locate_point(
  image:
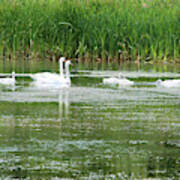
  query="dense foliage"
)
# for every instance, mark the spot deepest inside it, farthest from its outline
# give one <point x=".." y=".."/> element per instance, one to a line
<point x="105" y="29"/>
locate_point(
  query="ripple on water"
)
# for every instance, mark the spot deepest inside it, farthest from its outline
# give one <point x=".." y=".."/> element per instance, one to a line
<point x="90" y="132"/>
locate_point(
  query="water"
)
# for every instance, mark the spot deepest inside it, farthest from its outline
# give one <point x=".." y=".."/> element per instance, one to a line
<point x="90" y="131"/>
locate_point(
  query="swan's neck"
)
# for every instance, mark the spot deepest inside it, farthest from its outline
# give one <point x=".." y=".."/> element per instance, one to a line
<point x="61" y="69"/>
<point x="67" y="71"/>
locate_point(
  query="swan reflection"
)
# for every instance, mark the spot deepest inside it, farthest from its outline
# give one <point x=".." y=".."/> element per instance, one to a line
<point x="64" y="103"/>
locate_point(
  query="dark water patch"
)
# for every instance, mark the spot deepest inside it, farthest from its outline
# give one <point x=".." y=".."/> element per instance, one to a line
<point x="34" y="65"/>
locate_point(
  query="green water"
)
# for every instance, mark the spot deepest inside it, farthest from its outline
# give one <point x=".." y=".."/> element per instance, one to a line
<point x="90" y="131"/>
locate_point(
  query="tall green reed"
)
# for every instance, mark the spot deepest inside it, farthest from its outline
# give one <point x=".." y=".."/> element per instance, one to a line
<point x="100" y="29"/>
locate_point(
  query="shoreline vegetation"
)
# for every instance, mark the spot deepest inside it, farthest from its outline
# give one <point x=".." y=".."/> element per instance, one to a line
<point x="107" y="30"/>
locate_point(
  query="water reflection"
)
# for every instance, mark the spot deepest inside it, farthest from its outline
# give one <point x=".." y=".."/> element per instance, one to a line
<point x="163" y="165"/>
<point x="7" y="87"/>
<point x="33" y="66"/>
<point x="63" y="103"/>
<point x="90" y="131"/>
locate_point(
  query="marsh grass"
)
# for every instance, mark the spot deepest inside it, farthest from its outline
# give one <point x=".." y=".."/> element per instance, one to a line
<point x="101" y="29"/>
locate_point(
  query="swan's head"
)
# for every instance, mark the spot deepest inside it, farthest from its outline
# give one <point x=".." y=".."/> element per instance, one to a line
<point x="62" y="59"/>
<point x="68" y="62"/>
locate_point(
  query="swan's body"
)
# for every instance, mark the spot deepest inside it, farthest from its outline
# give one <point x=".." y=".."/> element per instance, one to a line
<point x="169" y="83"/>
<point x="48" y="79"/>
<point x="121" y="81"/>
<point x="8" y="81"/>
<point x="117" y="81"/>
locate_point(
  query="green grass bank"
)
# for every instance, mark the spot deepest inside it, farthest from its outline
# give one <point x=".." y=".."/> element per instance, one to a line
<point x="91" y="29"/>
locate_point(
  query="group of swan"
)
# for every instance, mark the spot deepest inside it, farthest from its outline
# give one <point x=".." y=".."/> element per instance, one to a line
<point x="48" y="79"/>
<point x="122" y="81"/>
<point x="53" y="79"/>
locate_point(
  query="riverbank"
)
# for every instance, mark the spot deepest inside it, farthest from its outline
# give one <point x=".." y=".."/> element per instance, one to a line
<point x="92" y="30"/>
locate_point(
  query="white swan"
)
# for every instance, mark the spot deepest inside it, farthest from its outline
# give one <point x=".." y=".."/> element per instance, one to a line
<point x="47" y="77"/>
<point x="168" y="83"/>
<point x="8" y="81"/>
<point x="48" y="80"/>
<point x="121" y="81"/>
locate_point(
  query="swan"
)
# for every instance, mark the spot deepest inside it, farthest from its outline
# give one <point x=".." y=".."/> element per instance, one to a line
<point x="8" y="81"/>
<point x="168" y="83"/>
<point x="121" y="81"/>
<point x="47" y="77"/>
<point x="48" y="80"/>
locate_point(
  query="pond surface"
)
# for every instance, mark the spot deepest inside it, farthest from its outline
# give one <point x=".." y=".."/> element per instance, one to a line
<point x="90" y="131"/>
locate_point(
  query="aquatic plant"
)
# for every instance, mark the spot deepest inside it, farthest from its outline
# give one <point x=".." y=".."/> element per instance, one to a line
<point x="101" y="29"/>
